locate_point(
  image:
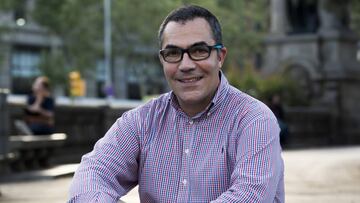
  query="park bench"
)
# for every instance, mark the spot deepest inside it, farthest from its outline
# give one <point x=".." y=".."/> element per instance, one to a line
<point x="34" y="151"/>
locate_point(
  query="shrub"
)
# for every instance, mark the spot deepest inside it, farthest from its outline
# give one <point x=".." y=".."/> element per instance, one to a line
<point x="262" y="88"/>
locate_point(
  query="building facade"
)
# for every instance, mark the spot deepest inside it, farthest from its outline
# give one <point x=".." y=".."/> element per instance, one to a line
<point x="311" y="41"/>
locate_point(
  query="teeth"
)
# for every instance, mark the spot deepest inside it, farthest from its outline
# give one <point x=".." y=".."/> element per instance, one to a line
<point x="190" y="80"/>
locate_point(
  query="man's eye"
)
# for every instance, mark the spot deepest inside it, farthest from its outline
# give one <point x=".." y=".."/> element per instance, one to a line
<point x="199" y="50"/>
<point x="172" y="52"/>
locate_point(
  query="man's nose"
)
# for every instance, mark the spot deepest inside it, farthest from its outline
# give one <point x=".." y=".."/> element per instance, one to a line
<point x="186" y="64"/>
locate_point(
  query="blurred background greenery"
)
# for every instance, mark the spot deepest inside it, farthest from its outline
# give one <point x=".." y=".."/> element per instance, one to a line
<point x="79" y="25"/>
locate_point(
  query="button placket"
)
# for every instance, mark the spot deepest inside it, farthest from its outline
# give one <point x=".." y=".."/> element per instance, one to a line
<point x="184" y="176"/>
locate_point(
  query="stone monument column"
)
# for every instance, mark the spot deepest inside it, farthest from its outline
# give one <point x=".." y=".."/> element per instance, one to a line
<point x="338" y="42"/>
<point x="279" y="22"/>
<point x="334" y="15"/>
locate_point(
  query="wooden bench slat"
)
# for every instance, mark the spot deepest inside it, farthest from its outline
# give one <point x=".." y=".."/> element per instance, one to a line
<point x="19" y="142"/>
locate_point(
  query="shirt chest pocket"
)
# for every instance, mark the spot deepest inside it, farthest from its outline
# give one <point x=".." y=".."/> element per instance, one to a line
<point x="211" y="172"/>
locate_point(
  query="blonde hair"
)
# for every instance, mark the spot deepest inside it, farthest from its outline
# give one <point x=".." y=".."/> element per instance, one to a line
<point x="45" y="82"/>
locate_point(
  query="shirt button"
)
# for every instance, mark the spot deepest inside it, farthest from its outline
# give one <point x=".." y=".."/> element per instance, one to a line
<point x="184" y="182"/>
<point x="208" y="114"/>
<point x="191" y="122"/>
<point x="187" y="151"/>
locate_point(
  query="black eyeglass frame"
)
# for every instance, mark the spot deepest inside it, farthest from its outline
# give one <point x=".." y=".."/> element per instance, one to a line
<point x="216" y="46"/>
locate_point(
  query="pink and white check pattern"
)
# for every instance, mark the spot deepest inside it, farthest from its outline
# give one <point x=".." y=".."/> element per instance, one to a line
<point x="228" y="153"/>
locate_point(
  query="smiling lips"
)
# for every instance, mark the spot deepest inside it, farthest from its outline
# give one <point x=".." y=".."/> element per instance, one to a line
<point x="190" y="80"/>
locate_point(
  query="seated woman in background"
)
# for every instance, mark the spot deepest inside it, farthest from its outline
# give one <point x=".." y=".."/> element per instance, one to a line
<point x="39" y="113"/>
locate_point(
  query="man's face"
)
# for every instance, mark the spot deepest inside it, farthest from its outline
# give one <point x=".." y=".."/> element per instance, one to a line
<point x="193" y="82"/>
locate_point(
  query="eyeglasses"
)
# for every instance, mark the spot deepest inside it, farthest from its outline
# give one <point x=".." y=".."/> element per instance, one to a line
<point x="196" y="52"/>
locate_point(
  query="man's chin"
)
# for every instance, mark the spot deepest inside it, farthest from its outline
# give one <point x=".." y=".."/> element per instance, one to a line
<point x="191" y="99"/>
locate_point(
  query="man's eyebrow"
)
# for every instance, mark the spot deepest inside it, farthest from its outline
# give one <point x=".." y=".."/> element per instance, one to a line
<point x="195" y="44"/>
<point x="199" y="43"/>
<point x="171" y="46"/>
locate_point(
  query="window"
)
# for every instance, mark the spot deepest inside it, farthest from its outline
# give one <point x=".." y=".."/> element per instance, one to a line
<point x="24" y="67"/>
<point x="25" y="63"/>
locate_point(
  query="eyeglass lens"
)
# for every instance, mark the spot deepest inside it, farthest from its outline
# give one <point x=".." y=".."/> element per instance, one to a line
<point x="196" y="52"/>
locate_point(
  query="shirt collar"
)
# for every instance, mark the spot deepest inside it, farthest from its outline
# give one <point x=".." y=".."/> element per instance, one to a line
<point x="220" y="94"/>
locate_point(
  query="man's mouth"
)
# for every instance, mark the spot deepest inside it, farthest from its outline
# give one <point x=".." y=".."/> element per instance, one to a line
<point x="190" y="80"/>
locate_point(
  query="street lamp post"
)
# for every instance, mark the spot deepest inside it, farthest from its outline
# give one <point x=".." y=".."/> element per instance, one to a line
<point x="107" y="49"/>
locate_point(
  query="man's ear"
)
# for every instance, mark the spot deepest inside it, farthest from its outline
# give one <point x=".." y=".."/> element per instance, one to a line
<point x="221" y="56"/>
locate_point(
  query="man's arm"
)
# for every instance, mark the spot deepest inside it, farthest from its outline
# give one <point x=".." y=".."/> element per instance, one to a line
<point x="259" y="167"/>
<point x="110" y="170"/>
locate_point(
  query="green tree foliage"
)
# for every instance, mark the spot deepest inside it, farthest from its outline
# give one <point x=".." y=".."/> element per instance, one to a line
<point x="135" y="24"/>
<point x="251" y="82"/>
<point x="79" y="24"/>
<point x="245" y="24"/>
<point x="9" y="4"/>
<point x="52" y="65"/>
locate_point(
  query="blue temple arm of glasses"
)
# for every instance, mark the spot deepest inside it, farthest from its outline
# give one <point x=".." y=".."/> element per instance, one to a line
<point x="218" y="46"/>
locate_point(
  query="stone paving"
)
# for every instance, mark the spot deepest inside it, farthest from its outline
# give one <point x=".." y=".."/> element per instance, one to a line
<point x="316" y="175"/>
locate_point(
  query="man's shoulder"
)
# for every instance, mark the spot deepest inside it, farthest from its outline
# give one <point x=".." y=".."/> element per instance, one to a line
<point x="247" y="104"/>
<point x="154" y="104"/>
<point x="147" y="114"/>
<point x="240" y="99"/>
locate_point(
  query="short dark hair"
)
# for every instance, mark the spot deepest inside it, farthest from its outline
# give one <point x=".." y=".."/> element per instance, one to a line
<point x="190" y="12"/>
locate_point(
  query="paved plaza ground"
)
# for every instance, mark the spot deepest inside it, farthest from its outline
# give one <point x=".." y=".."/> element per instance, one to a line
<point x="316" y="175"/>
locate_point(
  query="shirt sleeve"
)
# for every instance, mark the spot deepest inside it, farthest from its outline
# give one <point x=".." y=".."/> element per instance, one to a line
<point x="258" y="173"/>
<point x="110" y="170"/>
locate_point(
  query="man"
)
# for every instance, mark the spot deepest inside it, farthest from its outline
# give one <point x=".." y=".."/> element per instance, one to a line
<point x="204" y="141"/>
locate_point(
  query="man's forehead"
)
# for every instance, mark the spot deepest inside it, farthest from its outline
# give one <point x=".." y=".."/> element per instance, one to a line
<point x="199" y="23"/>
